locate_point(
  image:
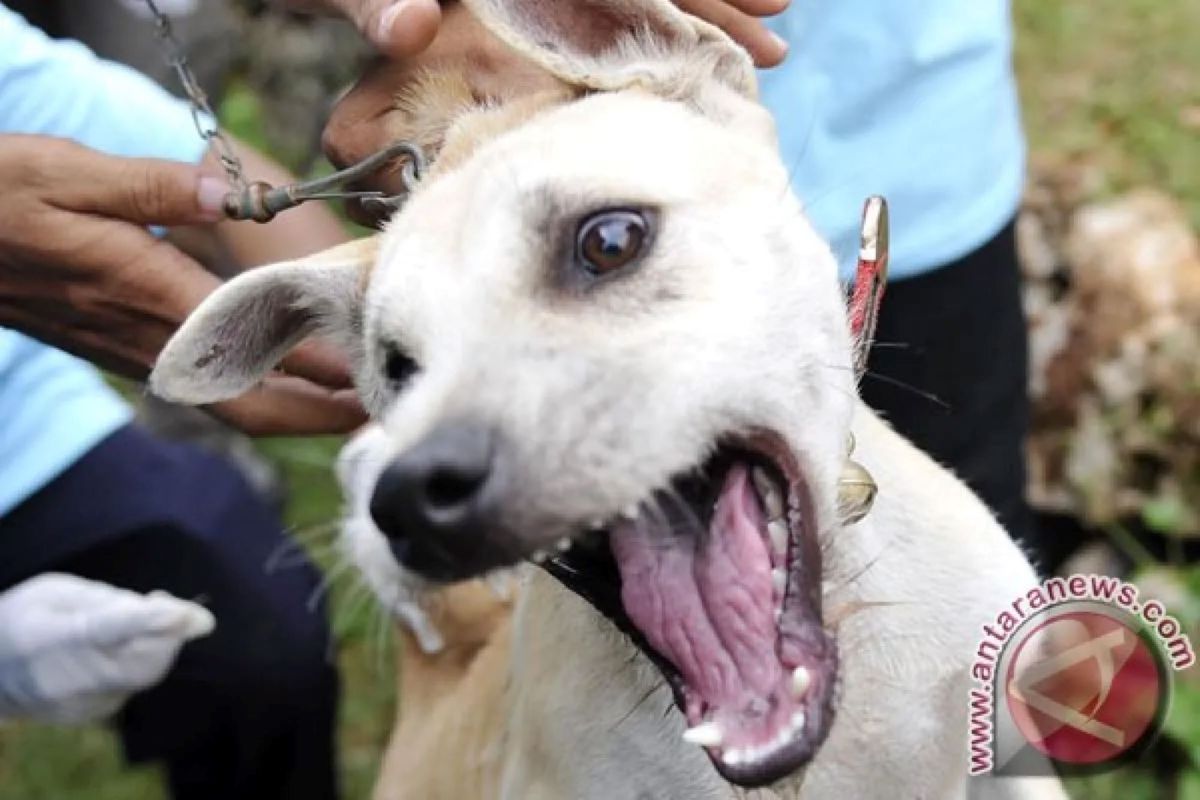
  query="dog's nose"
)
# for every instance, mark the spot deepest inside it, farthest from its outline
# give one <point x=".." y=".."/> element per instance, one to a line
<point x="436" y="503"/>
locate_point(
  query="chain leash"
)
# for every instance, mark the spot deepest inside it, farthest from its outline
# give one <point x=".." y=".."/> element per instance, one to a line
<point x="259" y="201"/>
<point x="209" y="132"/>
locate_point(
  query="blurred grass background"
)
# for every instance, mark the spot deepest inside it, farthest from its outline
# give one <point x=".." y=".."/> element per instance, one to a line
<point x="1114" y="81"/>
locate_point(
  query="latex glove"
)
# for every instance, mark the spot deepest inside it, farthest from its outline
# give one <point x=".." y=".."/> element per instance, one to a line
<point x="74" y="650"/>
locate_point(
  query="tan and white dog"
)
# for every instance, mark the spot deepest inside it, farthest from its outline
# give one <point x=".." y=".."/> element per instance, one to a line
<point x="602" y="336"/>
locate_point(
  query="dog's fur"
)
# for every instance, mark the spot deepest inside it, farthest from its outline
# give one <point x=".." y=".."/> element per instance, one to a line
<point x="734" y="320"/>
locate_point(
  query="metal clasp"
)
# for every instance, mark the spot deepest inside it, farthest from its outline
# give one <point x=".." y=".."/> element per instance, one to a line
<point x="261" y="202"/>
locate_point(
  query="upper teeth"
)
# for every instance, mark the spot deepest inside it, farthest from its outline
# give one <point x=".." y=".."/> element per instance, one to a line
<point x="777" y="530"/>
<point x="630" y="511"/>
<point x="772" y="502"/>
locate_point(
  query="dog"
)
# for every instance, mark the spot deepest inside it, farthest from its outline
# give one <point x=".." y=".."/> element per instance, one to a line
<point x="602" y="337"/>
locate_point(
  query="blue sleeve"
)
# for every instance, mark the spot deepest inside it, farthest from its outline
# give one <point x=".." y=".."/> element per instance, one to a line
<point x="61" y="88"/>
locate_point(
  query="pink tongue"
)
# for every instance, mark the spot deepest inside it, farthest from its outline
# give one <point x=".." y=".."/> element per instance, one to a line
<point x="704" y="601"/>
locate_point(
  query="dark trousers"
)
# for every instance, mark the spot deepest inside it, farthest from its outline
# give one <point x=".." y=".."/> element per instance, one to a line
<point x="247" y="712"/>
<point x="958" y="334"/>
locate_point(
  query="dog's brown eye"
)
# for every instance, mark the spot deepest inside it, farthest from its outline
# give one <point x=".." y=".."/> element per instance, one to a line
<point x="609" y="240"/>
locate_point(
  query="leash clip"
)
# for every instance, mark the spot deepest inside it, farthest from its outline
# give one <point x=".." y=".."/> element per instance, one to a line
<point x="261" y="202"/>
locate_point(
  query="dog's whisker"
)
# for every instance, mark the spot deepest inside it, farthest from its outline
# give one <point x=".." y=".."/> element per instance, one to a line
<point x="315" y="530"/>
<point x="802" y="151"/>
<point x="862" y="570"/>
<point x="358" y="599"/>
<point x="931" y="397"/>
<point x="649" y="693"/>
<point x="381" y="639"/>
<point x="296" y="555"/>
<point x="285" y="548"/>
<point x="331" y="576"/>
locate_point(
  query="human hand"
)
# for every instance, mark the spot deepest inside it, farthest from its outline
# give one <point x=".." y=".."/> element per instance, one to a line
<point x="74" y="650"/>
<point x="79" y="270"/>
<point x="367" y="118"/>
<point x="404" y="28"/>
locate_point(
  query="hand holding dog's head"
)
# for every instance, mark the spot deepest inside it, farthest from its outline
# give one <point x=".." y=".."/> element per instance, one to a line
<point x="483" y="302"/>
<point x="600" y="292"/>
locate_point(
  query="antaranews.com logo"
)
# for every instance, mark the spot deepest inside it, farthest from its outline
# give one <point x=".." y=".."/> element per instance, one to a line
<point x="1074" y="676"/>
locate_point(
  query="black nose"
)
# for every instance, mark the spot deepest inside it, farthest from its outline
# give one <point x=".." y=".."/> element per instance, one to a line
<point x="437" y="504"/>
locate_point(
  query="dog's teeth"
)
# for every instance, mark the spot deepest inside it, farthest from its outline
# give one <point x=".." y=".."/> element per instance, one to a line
<point x="706" y="734"/>
<point x="797" y="721"/>
<point x="772" y="502"/>
<point x="779" y="580"/>
<point x="777" y="530"/>
<point x="563" y="544"/>
<point x="801" y="680"/>
<point x="539" y="556"/>
<point x="597" y="524"/>
<point x="630" y="512"/>
<point x="734" y="757"/>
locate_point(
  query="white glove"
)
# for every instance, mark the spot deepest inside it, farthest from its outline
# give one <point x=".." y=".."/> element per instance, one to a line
<point x="74" y="650"/>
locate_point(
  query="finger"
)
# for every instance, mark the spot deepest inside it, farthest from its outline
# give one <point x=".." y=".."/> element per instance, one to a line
<point x="397" y="28"/>
<point x="760" y="8"/>
<point x="112" y="620"/>
<point x="140" y="291"/>
<point x="321" y="363"/>
<point x="66" y="593"/>
<point x="167" y="615"/>
<point x="765" y="47"/>
<point x="288" y="406"/>
<point x="145" y="191"/>
<point x="359" y="125"/>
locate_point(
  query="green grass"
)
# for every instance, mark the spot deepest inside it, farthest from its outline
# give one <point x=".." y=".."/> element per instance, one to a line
<point x="1114" y="81"/>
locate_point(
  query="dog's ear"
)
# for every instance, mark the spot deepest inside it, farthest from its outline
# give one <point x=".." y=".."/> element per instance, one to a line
<point x="608" y="45"/>
<point x="241" y="331"/>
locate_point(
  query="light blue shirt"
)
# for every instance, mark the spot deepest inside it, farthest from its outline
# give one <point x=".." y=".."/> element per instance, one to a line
<point x="912" y="99"/>
<point x="53" y="407"/>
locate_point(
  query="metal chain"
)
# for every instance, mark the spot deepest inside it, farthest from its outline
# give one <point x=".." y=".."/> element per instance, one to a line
<point x="260" y="201"/>
<point x="209" y="132"/>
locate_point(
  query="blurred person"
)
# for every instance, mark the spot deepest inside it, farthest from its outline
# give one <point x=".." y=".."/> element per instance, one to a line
<point x="249" y="710"/>
<point x="125" y="31"/>
<point x="919" y="103"/>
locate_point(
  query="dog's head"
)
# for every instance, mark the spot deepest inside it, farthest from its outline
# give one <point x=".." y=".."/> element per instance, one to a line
<point x="603" y="337"/>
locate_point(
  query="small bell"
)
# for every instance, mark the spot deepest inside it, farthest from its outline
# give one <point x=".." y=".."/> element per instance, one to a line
<point x="856" y="493"/>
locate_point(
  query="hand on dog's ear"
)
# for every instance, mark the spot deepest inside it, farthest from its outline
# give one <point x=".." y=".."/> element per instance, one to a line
<point x="245" y="328"/>
<point x="610" y="45"/>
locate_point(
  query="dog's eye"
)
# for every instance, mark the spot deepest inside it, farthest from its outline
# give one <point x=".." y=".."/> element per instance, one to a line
<point x="398" y="366"/>
<point x="609" y="240"/>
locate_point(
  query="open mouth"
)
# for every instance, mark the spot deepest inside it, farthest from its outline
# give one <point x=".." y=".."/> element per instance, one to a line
<point x="717" y="579"/>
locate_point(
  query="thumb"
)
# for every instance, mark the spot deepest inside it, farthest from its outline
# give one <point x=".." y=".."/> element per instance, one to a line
<point x="397" y="28"/>
<point x="145" y="191"/>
